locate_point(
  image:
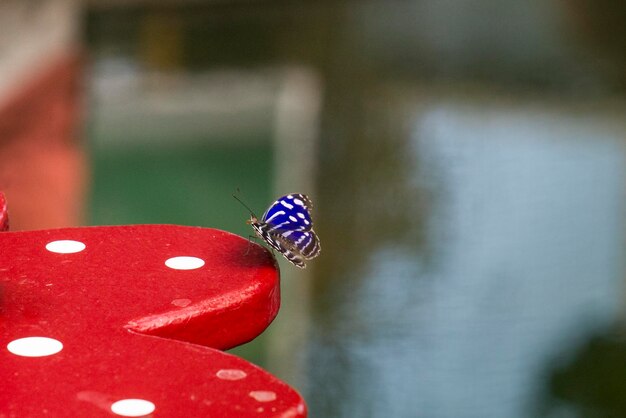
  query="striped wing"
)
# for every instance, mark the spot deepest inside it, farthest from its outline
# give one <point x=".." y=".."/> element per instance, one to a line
<point x="278" y="243"/>
<point x="304" y="243"/>
<point x="289" y="213"/>
<point x="296" y="248"/>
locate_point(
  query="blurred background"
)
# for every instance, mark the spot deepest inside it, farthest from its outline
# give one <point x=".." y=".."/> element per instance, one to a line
<point x="466" y="159"/>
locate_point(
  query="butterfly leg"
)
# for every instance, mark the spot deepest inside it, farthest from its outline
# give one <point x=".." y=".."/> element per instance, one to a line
<point x="250" y="238"/>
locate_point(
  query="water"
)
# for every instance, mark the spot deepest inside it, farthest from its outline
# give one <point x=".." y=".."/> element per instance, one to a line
<point x="512" y="262"/>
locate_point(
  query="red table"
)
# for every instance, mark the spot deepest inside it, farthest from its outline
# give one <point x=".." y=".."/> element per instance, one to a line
<point x="131" y="321"/>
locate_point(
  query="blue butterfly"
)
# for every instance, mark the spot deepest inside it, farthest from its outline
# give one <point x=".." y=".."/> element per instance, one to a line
<point x="288" y="228"/>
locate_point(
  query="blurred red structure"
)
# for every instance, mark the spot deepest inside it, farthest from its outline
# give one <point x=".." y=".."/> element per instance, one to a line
<point x="43" y="169"/>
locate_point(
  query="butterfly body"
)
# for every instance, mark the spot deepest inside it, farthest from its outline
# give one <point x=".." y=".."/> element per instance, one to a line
<point x="287" y="227"/>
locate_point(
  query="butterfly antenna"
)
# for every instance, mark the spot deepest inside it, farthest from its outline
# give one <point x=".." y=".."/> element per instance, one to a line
<point x="244" y="205"/>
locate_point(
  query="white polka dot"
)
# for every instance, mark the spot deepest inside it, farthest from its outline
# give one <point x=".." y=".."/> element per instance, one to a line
<point x="263" y="395"/>
<point x="292" y="218"/>
<point x="231" y="374"/>
<point x="184" y="263"/>
<point x="132" y="407"/>
<point x="298" y="202"/>
<point x="65" y="246"/>
<point x="306" y="222"/>
<point x="300" y="215"/>
<point x="35" y="346"/>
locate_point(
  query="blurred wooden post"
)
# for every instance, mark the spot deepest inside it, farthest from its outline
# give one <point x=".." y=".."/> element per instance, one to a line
<point x="296" y="138"/>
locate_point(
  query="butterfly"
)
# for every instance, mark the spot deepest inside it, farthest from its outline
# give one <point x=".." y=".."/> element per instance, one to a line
<point x="287" y="227"/>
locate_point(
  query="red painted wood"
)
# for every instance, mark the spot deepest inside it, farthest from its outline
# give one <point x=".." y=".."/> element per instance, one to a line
<point x="131" y="327"/>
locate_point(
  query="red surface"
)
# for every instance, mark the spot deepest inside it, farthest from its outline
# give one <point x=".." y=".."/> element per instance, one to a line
<point x="101" y="302"/>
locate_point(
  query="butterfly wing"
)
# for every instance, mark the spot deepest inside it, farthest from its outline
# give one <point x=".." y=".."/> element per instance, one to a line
<point x="280" y="244"/>
<point x="287" y="227"/>
<point x="303" y="243"/>
<point x="289" y="213"/>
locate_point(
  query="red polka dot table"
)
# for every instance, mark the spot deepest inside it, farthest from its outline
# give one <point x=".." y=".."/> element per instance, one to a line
<point x="132" y="320"/>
